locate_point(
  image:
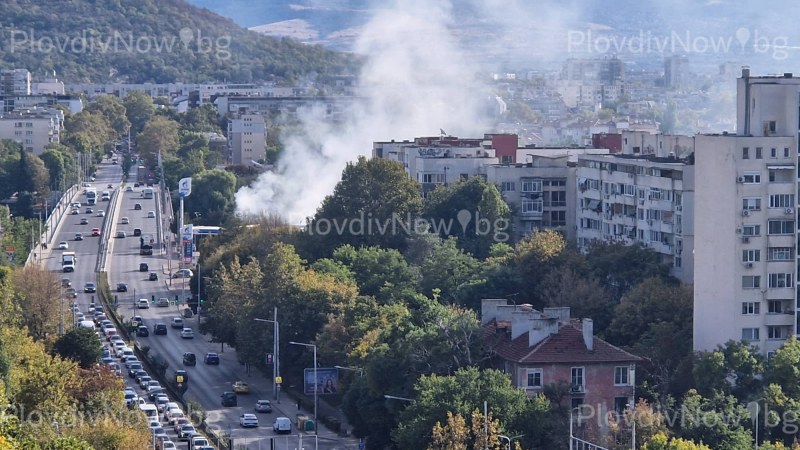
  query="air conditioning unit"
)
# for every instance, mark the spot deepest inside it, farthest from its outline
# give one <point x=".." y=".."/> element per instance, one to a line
<point x="789" y="211"/>
<point x="740" y="179"/>
<point x="576" y="388"/>
<point x="738" y="230"/>
<point x="679" y="208"/>
<point x="746" y="212"/>
<point x="641" y="202"/>
<point x="749" y="265"/>
<point x="746" y="240"/>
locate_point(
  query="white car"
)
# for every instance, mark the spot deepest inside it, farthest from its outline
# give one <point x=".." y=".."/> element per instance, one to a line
<point x="183" y="273"/>
<point x="129" y="189"/>
<point x="143" y="303"/>
<point x="151" y="214"/>
<point x="125" y="221"/>
<point x="121" y="234"/>
<point x="187" y="333"/>
<point x="63" y="245"/>
<point x="101" y="213"/>
<point x="248" y="420"/>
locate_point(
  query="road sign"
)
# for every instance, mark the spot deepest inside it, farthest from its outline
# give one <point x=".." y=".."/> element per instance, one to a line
<point x="10" y="248"/>
<point x="185" y="187"/>
<point x="278" y="380"/>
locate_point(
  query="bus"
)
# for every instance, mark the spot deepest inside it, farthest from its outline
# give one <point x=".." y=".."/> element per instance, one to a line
<point x="91" y="196"/>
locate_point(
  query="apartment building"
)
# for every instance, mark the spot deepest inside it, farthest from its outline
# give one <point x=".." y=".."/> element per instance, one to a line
<point x="332" y="108"/>
<point x="638" y="199"/>
<point x="15" y="82"/>
<point x="541" y="193"/>
<point x="436" y="161"/>
<point x="547" y="348"/>
<point x="247" y="139"/>
<point x="746" y="220"/>
<point x="23" y="102"/>
<point x="34" y="129"/>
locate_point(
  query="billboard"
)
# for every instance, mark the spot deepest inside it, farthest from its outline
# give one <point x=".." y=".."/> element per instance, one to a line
<point x="327" y="381"/>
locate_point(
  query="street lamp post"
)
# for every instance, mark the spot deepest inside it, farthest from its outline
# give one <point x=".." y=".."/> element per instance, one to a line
<point x="509" y="439"/>
<point x="392" y="397"/>
<point x="315" y="379"/>
<point x="276" y="387"/>
<point x="354" y="369"/>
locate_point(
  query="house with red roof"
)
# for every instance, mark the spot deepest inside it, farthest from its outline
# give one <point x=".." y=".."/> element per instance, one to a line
<point x="548" y="347"/>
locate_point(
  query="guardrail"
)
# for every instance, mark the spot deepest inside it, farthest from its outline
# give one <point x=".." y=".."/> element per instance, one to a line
<point x="52" y="221"/>
<point x="105" y="235"/>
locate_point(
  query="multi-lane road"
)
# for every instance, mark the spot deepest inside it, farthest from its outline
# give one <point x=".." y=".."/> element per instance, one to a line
<point x="122" y="263"/>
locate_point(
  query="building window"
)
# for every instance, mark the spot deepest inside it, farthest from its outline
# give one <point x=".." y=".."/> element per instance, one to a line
<point x="505" y="159"/>
<point x="751" y="308"/>
<point x="751" y="230"/>
<point x="751" y="255"/>
<point x="780" y="280"/>
<point x="786" y="152"/>
<point x="621" y="376"/>
<point x="533" y="378"/>
<point x="558" y="218"/>
<point x="433" y="178"/>
<point x="531" y="206"/>
<point x="558" y="198"/>
<point x="577" y="379"/>
<point x="776" y="332"/>
<point x="751" y="282"/>
<point x="752" y="178"/>
<point x="780" y="254"/>
<point x="508" y="186"/>
<point x="781" y="201"/>
<point x="780" y="226"/>
<point x="746" y="153"/>
<point x="775" y="306"/>
<point x="750" y="334"/>
<point x="531" y="185"/>
<point x="620" y="404"/>
<point x="751" y="203"/>
<point x="758" y="152"/>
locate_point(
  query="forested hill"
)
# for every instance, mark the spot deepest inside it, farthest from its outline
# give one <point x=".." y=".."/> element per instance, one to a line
<point x="156" y="41"/>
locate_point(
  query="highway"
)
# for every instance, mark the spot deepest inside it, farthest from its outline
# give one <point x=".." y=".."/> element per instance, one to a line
<point x="206" y="383"/>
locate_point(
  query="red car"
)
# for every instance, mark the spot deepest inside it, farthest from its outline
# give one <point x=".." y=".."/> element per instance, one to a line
<point x="95" y="231"/>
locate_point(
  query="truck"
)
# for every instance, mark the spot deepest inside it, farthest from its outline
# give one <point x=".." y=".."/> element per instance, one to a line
<point x="68" y="260"/>
<point x="91" y="196"/>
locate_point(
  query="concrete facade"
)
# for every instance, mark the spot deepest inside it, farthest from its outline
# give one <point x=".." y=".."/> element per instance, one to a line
<point x="746" y="223"/>
<point x="34" y="129"/>
<point x="247" y="139"/>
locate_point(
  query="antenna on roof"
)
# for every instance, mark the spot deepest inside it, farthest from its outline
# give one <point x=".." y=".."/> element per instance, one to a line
<point x="513" y="297"/>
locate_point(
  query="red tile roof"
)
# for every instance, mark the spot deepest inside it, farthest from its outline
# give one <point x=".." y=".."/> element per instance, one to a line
<point x="565" y="347"/>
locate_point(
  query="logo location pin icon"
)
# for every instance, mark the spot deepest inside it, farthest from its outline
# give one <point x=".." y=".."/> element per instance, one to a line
<point x="464" y="218"/>
<point x="742" y="35"/>
<point x="186" y="35"/>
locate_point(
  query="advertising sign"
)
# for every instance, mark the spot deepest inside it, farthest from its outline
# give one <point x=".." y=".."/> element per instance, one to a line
<point x="327" y="381"/>
<point x="185" y="187"/>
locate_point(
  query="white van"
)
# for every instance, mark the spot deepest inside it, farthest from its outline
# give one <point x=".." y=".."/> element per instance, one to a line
<point x="86" y="324"/>
<point x="149" y="410"/>
<point x="282" y="425"/>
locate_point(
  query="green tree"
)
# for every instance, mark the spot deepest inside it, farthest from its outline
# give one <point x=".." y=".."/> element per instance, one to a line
<point x="783" y="368"/>
<point x="446" y="268"/>
<point x="734" y="368"/>
<point x="159" y="135"/>
<point x="87" y="132"/>
<point x="139" y="109"/>
<point x="378" y="272"/>
<point x="204" y="118"/>
<point x="718" y="421"/>
<point x="619" y="267"/>
<point x="375" y="190"/>
<point x="462" y="393"/>
<point x="81" y="345"/>
<point x="476" y="212"/>
<point x="37" y="294"/>
<point x="212" y="196"/>
<point x="113" y="109"/>
<point x="661" y="442"/>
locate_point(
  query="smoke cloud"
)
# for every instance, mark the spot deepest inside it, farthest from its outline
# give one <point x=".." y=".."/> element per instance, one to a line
<point x="416" y="81"/>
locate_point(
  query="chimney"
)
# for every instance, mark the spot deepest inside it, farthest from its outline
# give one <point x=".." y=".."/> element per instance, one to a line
<point x="745" y="72"/>
<point x="587" y="326"/>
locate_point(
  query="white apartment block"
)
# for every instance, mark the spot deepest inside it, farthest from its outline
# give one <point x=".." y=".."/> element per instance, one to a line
<point x="746" y="220"/>
<point x="34" y="129"/>
<point x="247" y="139"/>
<point x="15" y="82"/>
<point x="541" y="193"/>
<point x="636" y="142"/>
<point x="433" y="162"/>
<point x="644" y="200"/>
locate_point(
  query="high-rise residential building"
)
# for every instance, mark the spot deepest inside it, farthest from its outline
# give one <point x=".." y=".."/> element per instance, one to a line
<point x="15" y="82"/>
<point x="247" y="139"/>
<point x="34" y="128"/>
<point x="676" y="71"/>
<point x="746" y="220"/>
<point x="634" y="199"/>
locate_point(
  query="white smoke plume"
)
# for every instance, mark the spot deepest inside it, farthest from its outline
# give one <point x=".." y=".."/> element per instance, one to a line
<point x="416" y="81"/>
